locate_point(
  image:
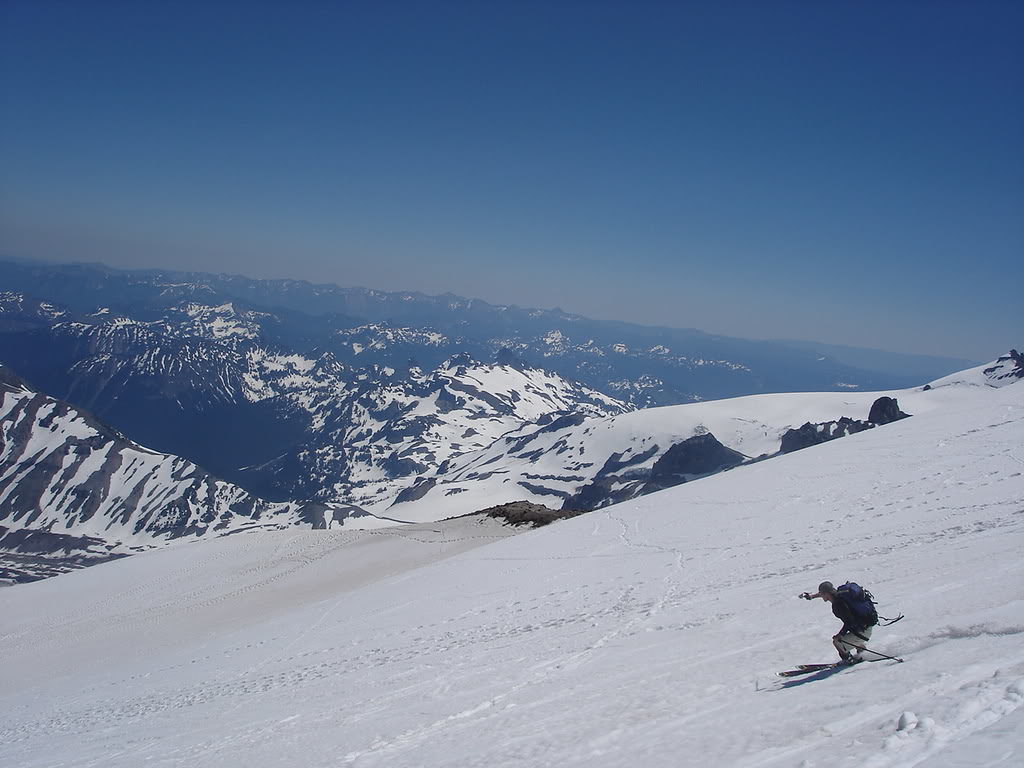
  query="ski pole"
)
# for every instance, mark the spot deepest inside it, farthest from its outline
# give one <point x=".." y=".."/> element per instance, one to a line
<point x="868" y="650"/>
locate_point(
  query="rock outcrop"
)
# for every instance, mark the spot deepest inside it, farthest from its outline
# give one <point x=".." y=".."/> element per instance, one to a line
<point x="695" y="457"/>
<point x="814" y="434"/>
<point x="621" y="479"/>
<point x="526" y="513"/>
<point x="1007" y="368"/>
<point x="600" y="493"/>
<point x="884" y="410"/>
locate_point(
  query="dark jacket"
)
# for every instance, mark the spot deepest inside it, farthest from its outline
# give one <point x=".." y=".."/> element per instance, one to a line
<point x="843" y="612"/>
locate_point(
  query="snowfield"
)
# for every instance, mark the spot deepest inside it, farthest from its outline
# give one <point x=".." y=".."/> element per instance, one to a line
<point x="646" y="633"/>
<point x="548" y="466"/>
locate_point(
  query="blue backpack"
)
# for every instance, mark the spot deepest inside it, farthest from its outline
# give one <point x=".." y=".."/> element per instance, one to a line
<point x="861" y="603"/>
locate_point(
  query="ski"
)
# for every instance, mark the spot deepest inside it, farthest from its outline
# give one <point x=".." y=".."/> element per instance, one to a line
<point x="806" y="669"/>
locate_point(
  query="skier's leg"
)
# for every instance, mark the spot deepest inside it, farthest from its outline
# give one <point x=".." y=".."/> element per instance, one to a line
<point x="844" y="650"/>
<point x="862" y="642"/>
<point x="849" y="644"/>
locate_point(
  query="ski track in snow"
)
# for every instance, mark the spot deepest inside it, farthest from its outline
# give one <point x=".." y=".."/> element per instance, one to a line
<point x="646" y="633"/>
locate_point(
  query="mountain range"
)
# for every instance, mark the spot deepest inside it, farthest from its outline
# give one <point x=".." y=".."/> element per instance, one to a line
<point x="160" y="406"/>
<point x="294" y="390"/>
<point x="75" y="492"/>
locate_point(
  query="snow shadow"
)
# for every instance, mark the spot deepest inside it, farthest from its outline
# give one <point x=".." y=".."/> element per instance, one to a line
<point x="813" y="677"/>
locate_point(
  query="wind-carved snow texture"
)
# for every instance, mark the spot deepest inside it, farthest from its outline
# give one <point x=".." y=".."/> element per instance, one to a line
<point x="644" y="633"/>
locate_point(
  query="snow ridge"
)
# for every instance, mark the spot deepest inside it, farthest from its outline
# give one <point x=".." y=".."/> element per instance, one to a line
<point x="577" y="464"/>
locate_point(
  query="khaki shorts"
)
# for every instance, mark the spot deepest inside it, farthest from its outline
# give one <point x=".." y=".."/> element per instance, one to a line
<point x="849" y="643"/>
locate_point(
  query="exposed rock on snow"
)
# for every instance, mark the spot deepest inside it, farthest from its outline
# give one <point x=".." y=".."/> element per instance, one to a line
<point x="886" y="410"/>
<point x="525" y="513"/>
<point x="415" y="492"/>
<point x="694" y="457"/>
<point x="816" y="434"/>
<point x="588" y="463"/>
<point x="1007" y="368"/>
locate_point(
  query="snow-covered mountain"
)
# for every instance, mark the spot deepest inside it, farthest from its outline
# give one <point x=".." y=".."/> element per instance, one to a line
<point x="575" y="463"/>
<point x="390" y="431"/>
<point x="219" y="385"/>
<point x="644" y="633"/>
<point x="292" y="390"/>
<point x="365" y="328"/>
<point x="225" y="387"/>
<point x="74" y="491"/>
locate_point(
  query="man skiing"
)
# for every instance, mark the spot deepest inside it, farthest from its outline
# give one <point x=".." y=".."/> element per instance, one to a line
<point x="854" y="607"/>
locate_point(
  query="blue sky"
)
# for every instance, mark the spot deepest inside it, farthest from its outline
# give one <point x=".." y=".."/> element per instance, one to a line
<point x="847" y="172"/>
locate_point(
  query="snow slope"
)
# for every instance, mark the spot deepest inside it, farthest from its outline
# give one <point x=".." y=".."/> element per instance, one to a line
<point x="548" y="465"/>
<point x="646" y="633"/>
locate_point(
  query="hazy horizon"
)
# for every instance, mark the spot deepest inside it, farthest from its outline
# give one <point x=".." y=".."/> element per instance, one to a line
<point x="528" y="307"/>
<point x="848" y="174"/>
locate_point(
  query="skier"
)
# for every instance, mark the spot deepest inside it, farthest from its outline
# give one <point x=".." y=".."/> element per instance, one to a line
<point x="857" y="614"/>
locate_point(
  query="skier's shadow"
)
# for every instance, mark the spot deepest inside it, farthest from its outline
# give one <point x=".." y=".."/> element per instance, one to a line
<point x="814" y="676"/>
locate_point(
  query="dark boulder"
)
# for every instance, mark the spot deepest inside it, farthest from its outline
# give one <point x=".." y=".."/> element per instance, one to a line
<point x="886" y="410"/>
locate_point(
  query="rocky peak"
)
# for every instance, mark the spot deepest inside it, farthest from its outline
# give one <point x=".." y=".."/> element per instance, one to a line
<point x="1007" y="369"/>
<point x="694" y="457"/>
